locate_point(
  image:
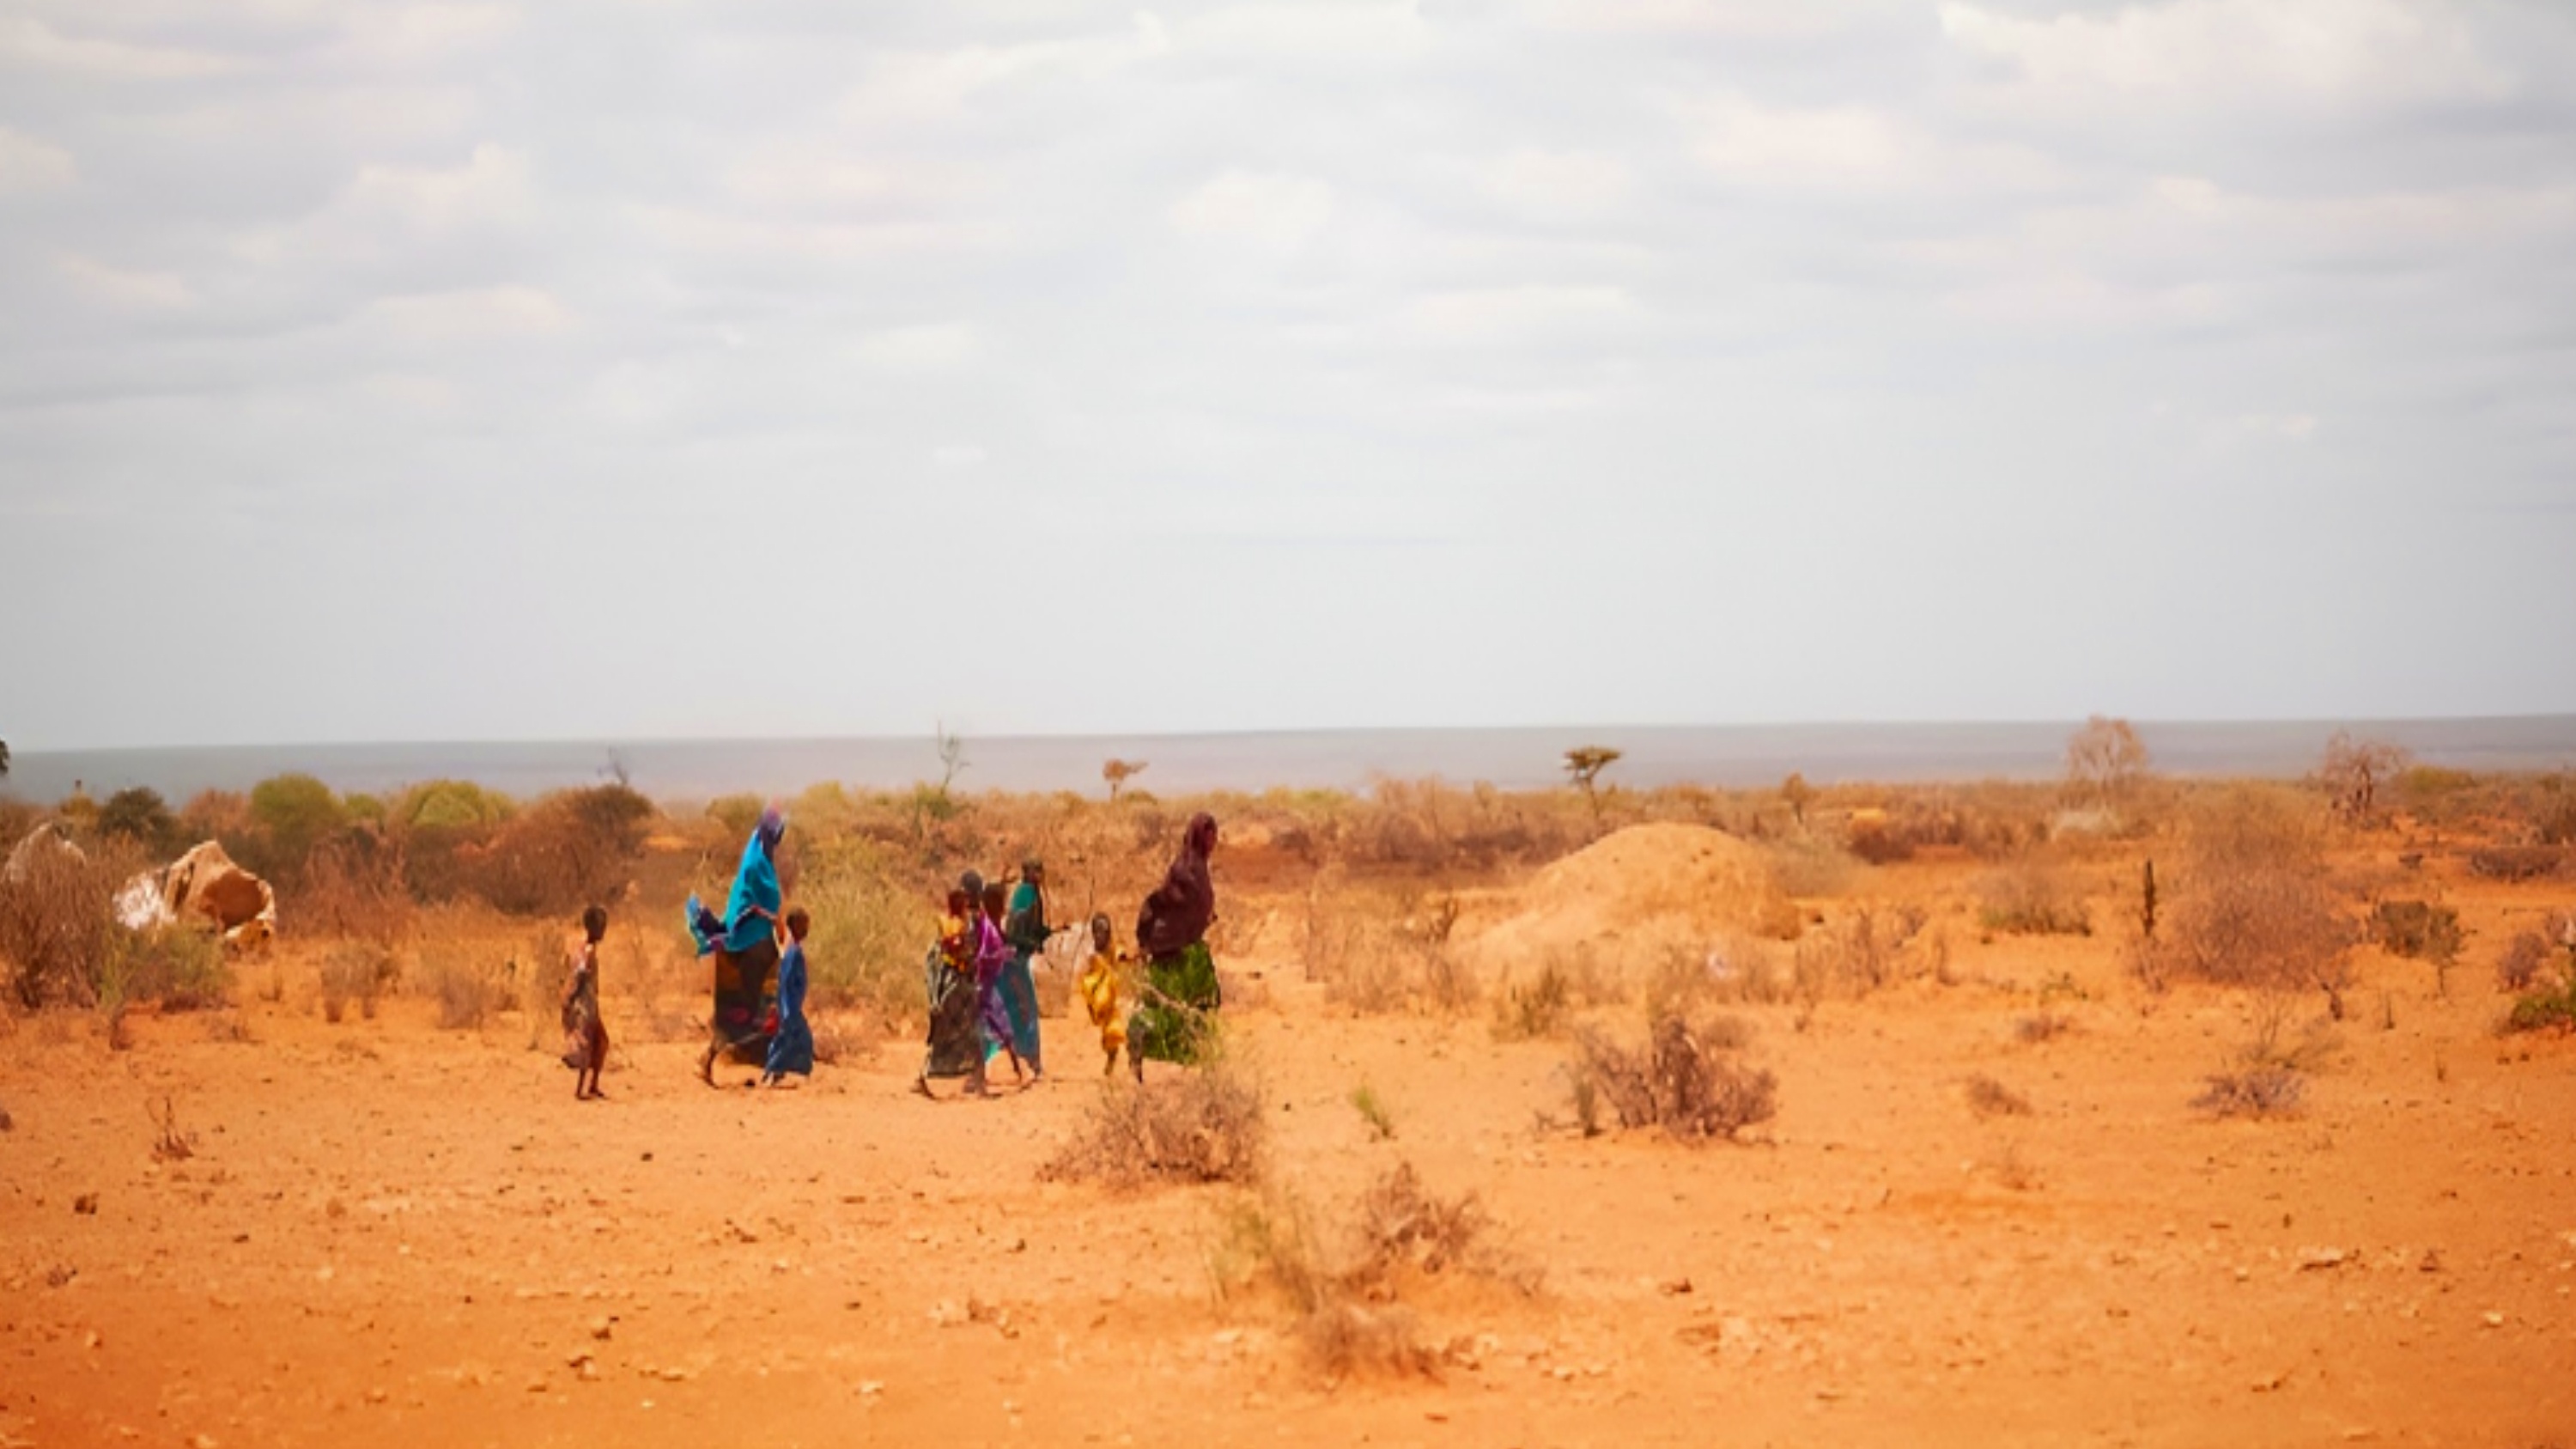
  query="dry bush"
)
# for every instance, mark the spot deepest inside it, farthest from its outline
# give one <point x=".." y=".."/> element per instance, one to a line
<point x="1682" y="1080"/>
<point x="355" y="888"/>
<point x="2517" y="862"/>
<point x="1201" y="1126"/>
<point x="569" y="850"/>
<point x="1540" y="1009"/>
<point x="56" y="931"/>
<point x="1347" y="1296"/>
<point x="2267" y="1091"/>
<point x="1812" y="869"/>
<point x="1990" y="1098"/>
<point x="179" y="966"/>
<point x="2522" y="962"/>
<point x="2417" y="930"/>
<point x="2032" y="898"/>
<point x="1854" y="955"/>
<point x="169" y="1142"/>
<point x="355" y="972"/>
<point x="2045" y="1026"/>
<point x="1386" y="956"/>
<point x="2548" y="992"/>
<point x="2253" y="906"/>
<point x="868" y="933"/>
<point x="465" y="992"/>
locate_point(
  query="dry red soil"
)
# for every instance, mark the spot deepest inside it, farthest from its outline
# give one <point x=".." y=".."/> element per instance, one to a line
<point x="388" y="1233"/>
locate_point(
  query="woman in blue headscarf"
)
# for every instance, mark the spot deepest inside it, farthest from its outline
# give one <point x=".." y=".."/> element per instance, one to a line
<point x="744" y="941"/>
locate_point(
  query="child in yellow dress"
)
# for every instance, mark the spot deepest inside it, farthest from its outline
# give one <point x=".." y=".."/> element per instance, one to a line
<point x="1099" y="987"/>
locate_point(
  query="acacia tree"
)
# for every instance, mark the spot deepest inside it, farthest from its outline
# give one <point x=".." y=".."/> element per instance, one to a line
<point x="2105" y="760"/>
<point x="2353" y="771"/>
<point x="1118" y="773"/>
<point x="4" y="759"/>
<point x="1584" y="765"/>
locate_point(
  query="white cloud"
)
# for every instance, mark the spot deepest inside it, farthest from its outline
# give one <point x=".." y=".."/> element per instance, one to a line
<point x="1515" y="314"/>
<point x="389" y="210"/>
<point x="957" y="455"/>
<point x="1342" y="31"/>
<point x="470" y="313"/>
<point x="1558" y="183"/>
<point x="2262" y="50"/>
<point x="1829" y="148"/>
<point x="932" y="348"/>
<point x="1274" y="212"/>
<point x="28" y="164"/>
<point x="32" y="43"/>
<point x="2291" y="427"/>
<point x="125" y="290"/>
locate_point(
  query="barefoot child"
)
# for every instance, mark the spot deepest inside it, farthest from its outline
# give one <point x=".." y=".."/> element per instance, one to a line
<point x="585" y="1035"/>
<point x="791" y="1047"/>
<point x="1099" y="988"/>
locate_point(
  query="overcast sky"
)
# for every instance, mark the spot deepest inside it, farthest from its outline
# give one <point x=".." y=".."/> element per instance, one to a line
<point x="385" y="371"/>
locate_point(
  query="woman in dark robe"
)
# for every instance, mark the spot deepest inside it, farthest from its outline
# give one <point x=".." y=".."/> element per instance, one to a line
<point x="956" y="1045"/>
<point x="1180" y="993"/>
<point x="744" y="942"/>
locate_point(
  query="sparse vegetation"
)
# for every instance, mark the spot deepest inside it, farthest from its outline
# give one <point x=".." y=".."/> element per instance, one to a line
<point x="2254" y="908"/>
<point x="1990" y="1098"/>
<point x="2353" y="773"/>
<point x="1364" y="1100"/>
<point x="2041" y="1027"/>
<point x="2032" y="898"/>
<point x="1683" y="1080"/>
<point x="2105" y="763"/>
<point x="2267" y="1091"/>
<point x="2417" y="930"/>
<point x="1346" y="1295"/>
<point x="1204" y="1125"/>
<point x="354" y="972"/>
<point x="1584" y="765"/>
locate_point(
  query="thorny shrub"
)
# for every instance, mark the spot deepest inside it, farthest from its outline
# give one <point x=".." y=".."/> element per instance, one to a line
<point x="2032" y="898"/>
<point x="2417" y="930"/>
<point x="2253" y="906"/>
<point x="1204" y="1125"/>
<point x="1347" y="1295"/>
<point x="1683" y="1080"/>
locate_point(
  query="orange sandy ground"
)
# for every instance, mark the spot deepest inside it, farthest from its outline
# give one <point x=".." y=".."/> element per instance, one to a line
<point x="392" y="1234"/>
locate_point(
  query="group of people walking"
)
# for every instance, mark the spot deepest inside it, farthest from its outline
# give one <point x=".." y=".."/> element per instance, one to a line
<point x="980" y="976"/>
<point x="982" y="985"/>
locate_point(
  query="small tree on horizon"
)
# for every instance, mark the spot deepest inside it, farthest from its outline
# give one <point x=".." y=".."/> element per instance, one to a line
<point x="1119" y="772"/>
<point x="4" y="759"/>
<point x="952" y="757"/>
<point x="1584" y="764"/>
<point x="2105" y="761"/>
<point x="1798" y="795"/>
<point x="2353" y="771"/>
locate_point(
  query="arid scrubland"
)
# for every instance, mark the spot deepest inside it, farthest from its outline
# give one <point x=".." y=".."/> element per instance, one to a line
<point x="1535" y="1112"/>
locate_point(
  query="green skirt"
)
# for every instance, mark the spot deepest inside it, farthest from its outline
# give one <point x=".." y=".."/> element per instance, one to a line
<point x="1171" y="1023"/>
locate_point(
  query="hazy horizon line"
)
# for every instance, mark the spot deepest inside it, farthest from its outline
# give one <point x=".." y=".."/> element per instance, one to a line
<point x="613" y="741"/>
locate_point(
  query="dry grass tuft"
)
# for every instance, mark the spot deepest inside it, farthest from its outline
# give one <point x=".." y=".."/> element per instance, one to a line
<point x="1990" y="1098"/>
<point x="1347" y="1298"/>
<point x="1202" y="1126"/>
<point x="465" y="993"/>
<point x="355" y="972"/>
<point x="2046" y="1026"/>
<point x="2264" y="1091"/>
<point x="169" y="1144"/>
<point x="1683" y="1080"/>
<point x="2032" y="898"/>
